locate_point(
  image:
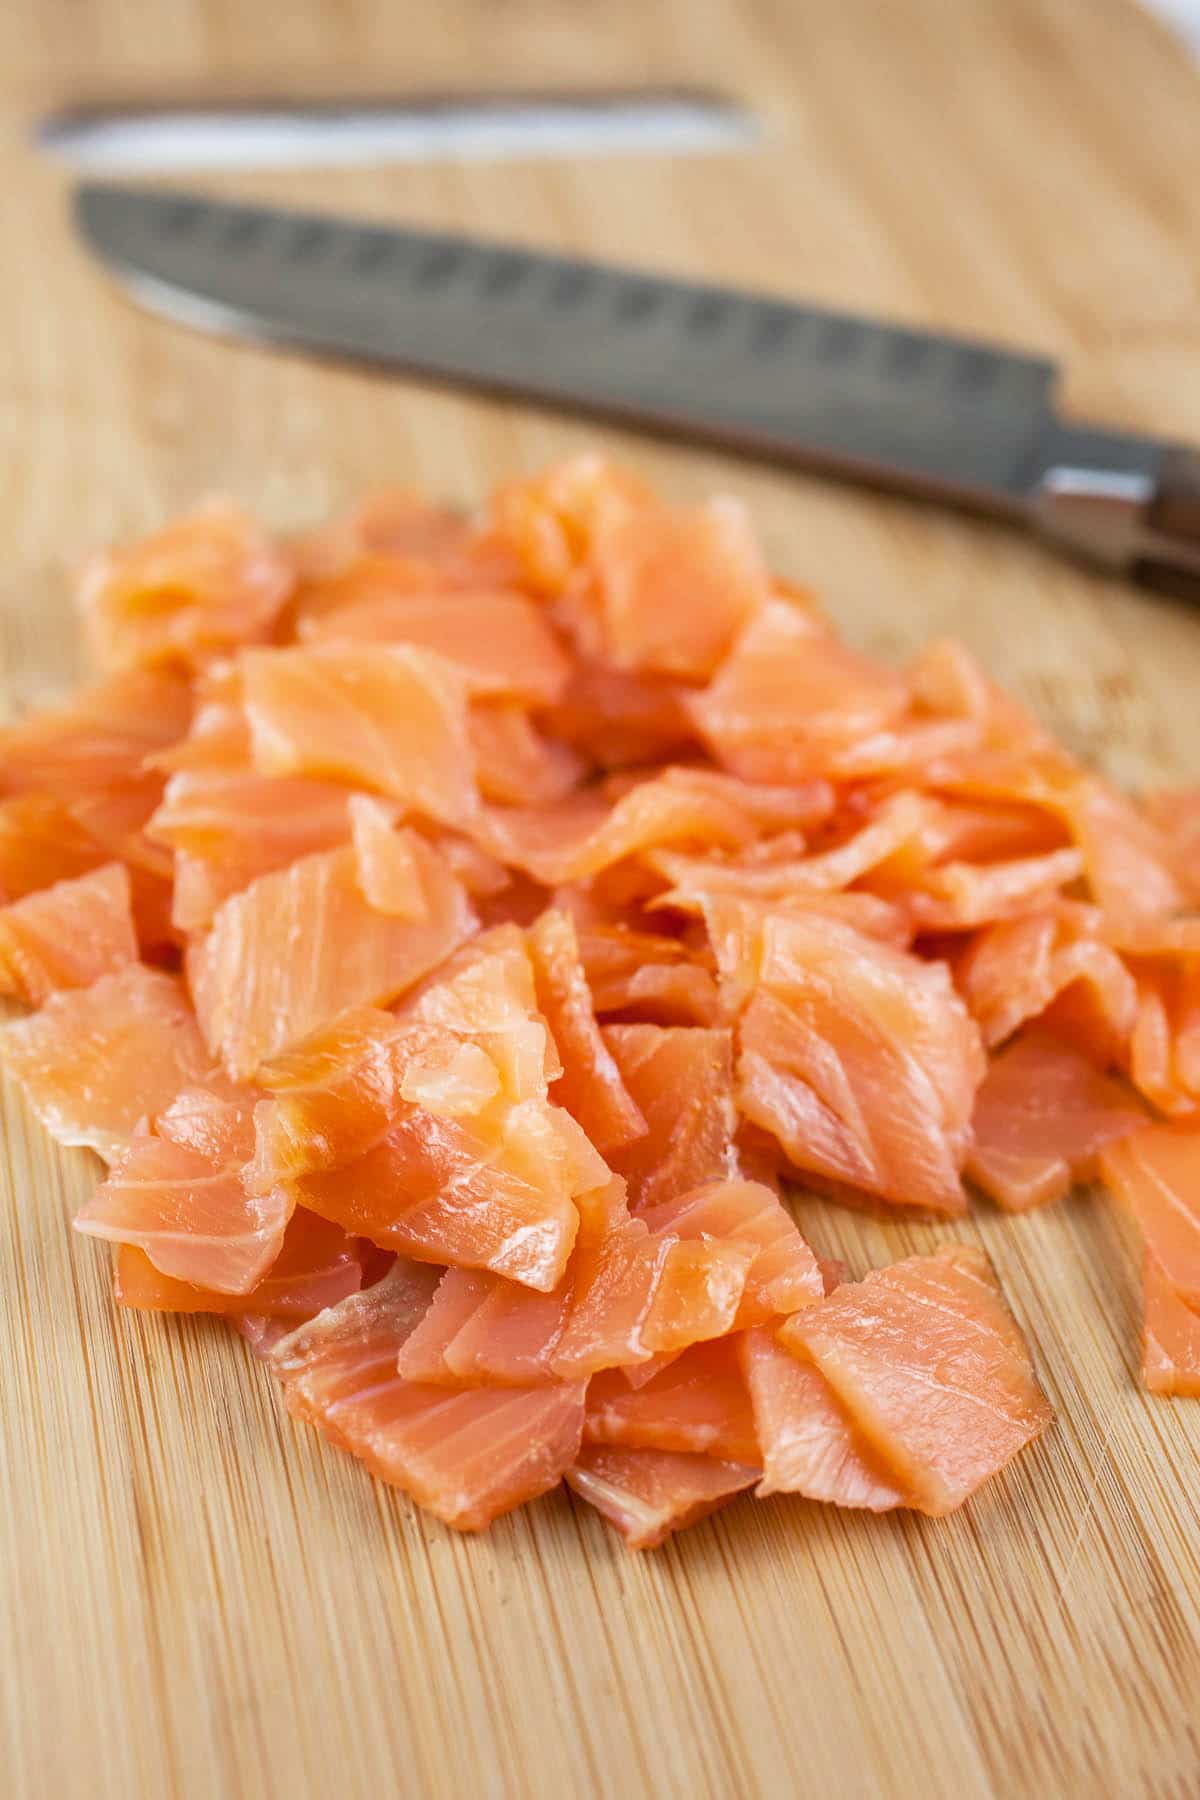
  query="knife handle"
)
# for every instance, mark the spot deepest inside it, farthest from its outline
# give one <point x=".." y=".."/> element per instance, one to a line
<point x="1173" y="516"/>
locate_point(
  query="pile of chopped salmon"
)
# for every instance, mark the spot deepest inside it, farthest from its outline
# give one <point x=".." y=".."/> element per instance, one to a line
<point x="461" y="937"/>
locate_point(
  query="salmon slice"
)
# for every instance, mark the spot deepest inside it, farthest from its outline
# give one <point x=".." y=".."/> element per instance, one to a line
<point x="619" y="720"/>
<point x="200" y="587"/>
<point x="115" y="819"/>
<point x="466" y="1457"/>
<point x="1042" y="1115"/>
<point x="1127" y="860"/>
<point x="100" y="737"/>
<point x="859" y="1058"/>
<point x="239" y="825"/>
<point x="867" y="913"/>
<point x="317" y="1266"/>
<point x="482" y="1330"/>
<point x="514" y="763"/>
<point x="790" y="700"/>
<point x="394" y="541"/>
<point x="1164" y="1049"/>
<point x="681" y="1080"/>
<point x="948" y="681"/>
<point x="900" y="821"/>
<point x="217" y="736"/>
<point x="646" y="1495"/>
<point x="549" y="522"/>
<point x="808" y="1444"/>
<point x="590" y="1086"/>
<point x="988" y="831"/>
<point x="1175" y="815"/>
<point x="178" y="1194"/>
<point x="1050" y="965"/>
<point x="697" y="1404"/>
<point x="1171" y="1335"/>
<point x="931" y="1370"/>
<point x="673" y="587"/>
<point x="584" y="835"/>
<point x="384" y="717"/>
<point x="630" y="1296"/>
<point x="645" y="977"/>
<point x="67" y="935"/>
<point x="960" y="896"/>
<point x="1155" y="1174"/>
<point x="42" y="842"/>
<point x="494" y="1332"/>
<point x="439" y="1190"/>
<point x="252" y="1003"/>
<point x="784" y="1274"/>
<point x="457" y="1298"/>
<point x="96" y="1060"/>
<point x="334" y="1096"/>
<point x="499" y="642"/>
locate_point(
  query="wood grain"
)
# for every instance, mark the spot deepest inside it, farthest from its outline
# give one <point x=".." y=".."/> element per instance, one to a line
<point x="203" y="1599"/>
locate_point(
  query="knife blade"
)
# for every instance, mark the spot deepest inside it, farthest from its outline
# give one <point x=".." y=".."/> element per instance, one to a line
<point x="934" y="415"/>
<point x="112" y="138"/>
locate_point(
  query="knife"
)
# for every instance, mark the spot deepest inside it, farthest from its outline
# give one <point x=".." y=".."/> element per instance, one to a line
<point x="937" y="416"/>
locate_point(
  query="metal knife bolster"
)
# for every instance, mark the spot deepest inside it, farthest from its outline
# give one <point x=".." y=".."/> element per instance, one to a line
<point x="1129" y="503"/>
<point x="918" y="412"/>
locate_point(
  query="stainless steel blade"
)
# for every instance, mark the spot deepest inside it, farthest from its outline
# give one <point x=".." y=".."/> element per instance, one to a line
<point x="935" y="414"/>
<point x="939" y="416"/>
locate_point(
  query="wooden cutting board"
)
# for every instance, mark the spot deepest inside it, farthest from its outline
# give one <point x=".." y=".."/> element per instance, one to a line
<point x="205" y="1600"/>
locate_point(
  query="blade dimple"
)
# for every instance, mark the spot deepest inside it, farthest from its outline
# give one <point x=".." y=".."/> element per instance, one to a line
<point x="438" y="266"/>
<point x="908" y="407"/>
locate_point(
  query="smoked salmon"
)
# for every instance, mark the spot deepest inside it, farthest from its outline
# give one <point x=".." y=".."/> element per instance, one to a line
<point x="465" y="937"/>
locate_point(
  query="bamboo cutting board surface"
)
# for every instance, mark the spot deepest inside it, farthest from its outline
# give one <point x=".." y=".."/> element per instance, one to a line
<point x="204" y="1599"/>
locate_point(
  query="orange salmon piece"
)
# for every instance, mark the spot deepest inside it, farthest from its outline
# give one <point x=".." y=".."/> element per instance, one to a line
<point x="317" y="1266"/>
<point x="618" y="719"/>
<point x="590" y="1086"/>
<point x="790" y="700"/>
<point x="514" y="763"/>
<point x="42" y="842"/>
<point x="931" y="1369"/>
<point x="681" y="1079"/>
<point x="334" y="1095"/>
<point x="1050" y="965"/>
<point x="859" y="1058"/>
<point x="179" y="1195"/>
<point x="673" y="587"/>
<point x="253" y="1003"/>
<point x="784" y="1274"/>
<point x="97" y="740"/>
<point x="1042" y="1115"/>
<point x="697" y="1404"/>
<point x="385" y="717"/>
<point x="465" y="1456"/>
<point x="239" y="825"/>
<point x="499" y="642"/>
<point x="96" y="1060"/>
<point x="443" y="1190"/>
<point x="646" y="1495"/>
<point x="67" y="935"/>
<point x="584" y="834"/>
<point x="647" y="978"/>
<point x="199" y="588"/>
<point x="1155" y="1174"/>
<point x="1126" y="858"/>
<point x="1170" y="1335"/>
<point x="808" y="1444"/>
